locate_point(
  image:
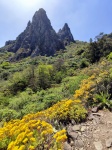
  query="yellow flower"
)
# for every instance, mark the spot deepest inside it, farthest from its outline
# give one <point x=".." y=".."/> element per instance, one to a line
<point x="61" y="138"/>
<point x="31" y="147"/>
<point x="16" y="148"/>
<point x="22" y="147"/>
<point x="32" y="139"/>
<point x="25" y="140"/>
<point x="77" y="101"/>
<point x="30" y="134"/>
<point x="11" y="145"/>
<point x="20" y="137"/>
<point x="38" y="128"/>
<point x="62" y="132"/>
<point x="44" y="133"/>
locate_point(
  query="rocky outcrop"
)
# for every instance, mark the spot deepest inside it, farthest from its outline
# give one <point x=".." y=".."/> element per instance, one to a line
<point x="39" y="38"/>
<point x="65" y="35"/>
<point x="9" y="42"/>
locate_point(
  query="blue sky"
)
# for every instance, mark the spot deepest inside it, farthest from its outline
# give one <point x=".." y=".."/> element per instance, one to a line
<point x="86" y="18"/>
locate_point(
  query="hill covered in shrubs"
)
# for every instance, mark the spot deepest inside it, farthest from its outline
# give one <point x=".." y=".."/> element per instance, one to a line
<point x="41" y="96"/>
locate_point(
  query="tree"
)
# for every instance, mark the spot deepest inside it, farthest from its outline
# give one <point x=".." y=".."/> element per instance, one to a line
<point x="100" y="48"/>
<point x="99" y="36"/>
<point x="90" y="40"/>
<point x="45" y="73"/>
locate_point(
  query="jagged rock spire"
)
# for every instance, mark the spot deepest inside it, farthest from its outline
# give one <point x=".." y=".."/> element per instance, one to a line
<point x="65" y="35"/>
<point x="39" y="38"/>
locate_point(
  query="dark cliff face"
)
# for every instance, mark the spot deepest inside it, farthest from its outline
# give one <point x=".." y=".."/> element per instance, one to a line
<point x="39" y="38"/>
<point x="65" y="35"/>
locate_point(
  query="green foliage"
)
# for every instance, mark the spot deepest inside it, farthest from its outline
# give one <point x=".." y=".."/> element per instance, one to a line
<point x="35" y="84"/>
<point x="103" y="100"/>
<point x="84" y="63"/>
<point x="71" y="84"/>
<point x="5" y="65"/>
<point x="38" y="86"/>
<point x="100" y="48"/>
<point x="4" y="75"/>
<point x="18" y="82"/>
<point x="8" y="114"/>
<point x="58" y="77"/>
<point x="45" y="74"/>
<point x="4" y="101"/>
<point x="110" y="56"/>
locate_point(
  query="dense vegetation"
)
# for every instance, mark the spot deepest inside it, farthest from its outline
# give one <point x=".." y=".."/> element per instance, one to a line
<point x="44" y="94"/>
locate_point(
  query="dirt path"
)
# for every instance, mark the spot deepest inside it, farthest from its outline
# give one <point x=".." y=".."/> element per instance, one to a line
<point x="95" y="134"/>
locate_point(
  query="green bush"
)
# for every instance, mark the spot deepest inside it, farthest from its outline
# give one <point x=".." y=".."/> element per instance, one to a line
<point x="71" y="84"/>
<point x="8" y="114"/>
<point x="5" y="65"/>
<point x="110" y="56"/>
<point x="84" y="63"/>
<point x="103" y="100"/>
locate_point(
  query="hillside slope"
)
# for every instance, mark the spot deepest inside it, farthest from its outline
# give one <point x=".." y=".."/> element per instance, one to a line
<point x="46" y="102"/>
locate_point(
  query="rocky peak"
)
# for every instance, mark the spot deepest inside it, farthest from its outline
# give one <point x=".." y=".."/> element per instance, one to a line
<point x="40" y="22"/>
<point x="29" y="23"/>
<point x="65" y="35"/>
<point x="39" y="38"/>
<point x="41" y="12"/>
<point x="66" y="27"/>
<point x="40" y="15"/>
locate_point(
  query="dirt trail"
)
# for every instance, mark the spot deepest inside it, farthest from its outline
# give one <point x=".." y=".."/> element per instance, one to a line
<point x="95" y="134"/>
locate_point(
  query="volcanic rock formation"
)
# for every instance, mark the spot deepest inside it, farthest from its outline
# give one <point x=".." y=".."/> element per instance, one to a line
<point x="65" y="35"/>
<point x="39" y="38"/>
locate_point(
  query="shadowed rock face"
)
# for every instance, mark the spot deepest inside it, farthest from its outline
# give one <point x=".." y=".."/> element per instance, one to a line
<point x="39" y="38"/>
<point x="65" y="35"/>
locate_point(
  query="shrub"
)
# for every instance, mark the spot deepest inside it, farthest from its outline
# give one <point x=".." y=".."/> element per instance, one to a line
<point x="103" y="100"/>
<point x="84" y="63"/>
<point x="71" y="84"/>
<point x="8" y="114"/>
<point x="110" y="56"/>
<point x="32" y="134"/>
<point x="34" y="131"/>
<point x="96" y="90"/>
<point x="5" y="65"/>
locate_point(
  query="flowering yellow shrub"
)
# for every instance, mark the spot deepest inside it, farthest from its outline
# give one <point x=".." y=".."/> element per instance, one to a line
<point x="35" y="131"/>
<point x="67" y="110"/>
<point x="60" y="137"/>
<point x="63" y="110"/>
<point x="92" y="86"/>
<point x="29" y="135"/>
<point x="84" y="92"/>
